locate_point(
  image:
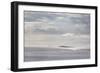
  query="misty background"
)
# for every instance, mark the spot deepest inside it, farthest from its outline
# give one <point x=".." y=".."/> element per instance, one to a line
<point x="56" y="36"/>
<point x="54" y="29"/>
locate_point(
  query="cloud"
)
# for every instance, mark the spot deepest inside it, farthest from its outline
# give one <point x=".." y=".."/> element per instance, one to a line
<point x="41" y="28"/>
<point x="47" y="31"/>
<point x="75" y="35"/>
<point x="57" y="22"/>
<point x="68" y="34"/>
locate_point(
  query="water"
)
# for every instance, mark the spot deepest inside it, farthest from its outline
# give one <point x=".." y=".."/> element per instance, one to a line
<point x="47" y="54"/>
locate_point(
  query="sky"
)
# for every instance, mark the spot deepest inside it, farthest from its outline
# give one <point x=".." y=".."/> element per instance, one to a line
<point x="54" y="29"/>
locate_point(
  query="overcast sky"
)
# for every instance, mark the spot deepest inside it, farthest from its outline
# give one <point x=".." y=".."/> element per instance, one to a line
<point x="59" y="24"/>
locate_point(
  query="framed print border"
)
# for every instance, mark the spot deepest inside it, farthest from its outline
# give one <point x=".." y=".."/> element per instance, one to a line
<point x="15" y="38"/>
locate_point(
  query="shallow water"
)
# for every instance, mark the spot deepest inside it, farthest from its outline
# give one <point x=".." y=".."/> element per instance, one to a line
<point x="47" y="54"/>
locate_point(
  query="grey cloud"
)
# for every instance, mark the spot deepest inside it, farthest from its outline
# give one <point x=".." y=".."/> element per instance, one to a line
<point x="64" y="22"/>
<point x="37" y="16"/>
<point x="48" y="31"/>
